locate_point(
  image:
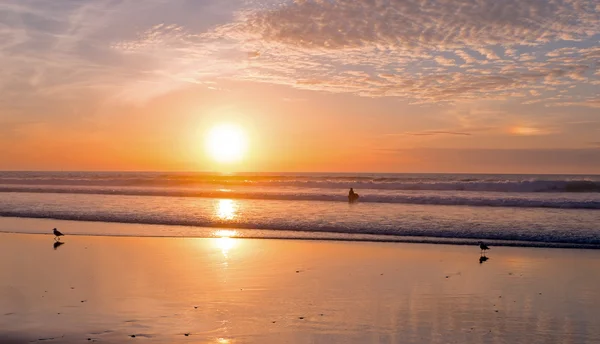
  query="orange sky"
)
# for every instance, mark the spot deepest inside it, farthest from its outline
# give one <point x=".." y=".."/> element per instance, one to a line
<point x="92" y="87"/>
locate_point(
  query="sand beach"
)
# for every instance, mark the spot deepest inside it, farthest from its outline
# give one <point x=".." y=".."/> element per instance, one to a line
<point x="230" y="290"/>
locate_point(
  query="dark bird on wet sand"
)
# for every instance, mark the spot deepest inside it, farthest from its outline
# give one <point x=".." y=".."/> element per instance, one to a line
<point x="483" y="247"/>
<point x="57" y="234"/>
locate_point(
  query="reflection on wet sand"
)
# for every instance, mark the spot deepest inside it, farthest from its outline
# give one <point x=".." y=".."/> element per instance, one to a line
<point x="225" y="241"/>
<point x="57" y="244"/>
<point x="162" y="288"/>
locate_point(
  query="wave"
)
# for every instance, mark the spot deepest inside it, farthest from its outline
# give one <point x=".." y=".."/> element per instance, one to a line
<point x="456" y="236"/>
<point x="423" y="199"/>
<point x="463" y="185"/>
<point x="480" y="183"/>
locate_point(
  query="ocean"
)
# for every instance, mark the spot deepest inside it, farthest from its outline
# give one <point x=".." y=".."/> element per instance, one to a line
<point x="516" y="210"/>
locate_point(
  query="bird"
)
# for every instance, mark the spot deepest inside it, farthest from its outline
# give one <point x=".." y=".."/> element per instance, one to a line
<point x="57" y="234"/>
<point x="483" y="247"/>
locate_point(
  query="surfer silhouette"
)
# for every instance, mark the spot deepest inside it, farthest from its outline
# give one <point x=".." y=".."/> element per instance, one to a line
<point x="352" y="196"/>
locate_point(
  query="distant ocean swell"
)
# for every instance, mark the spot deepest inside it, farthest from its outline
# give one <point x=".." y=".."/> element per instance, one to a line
<point x="514" y="237"/>
<point x="326" y="182"/>
<point x="433" y="199"/>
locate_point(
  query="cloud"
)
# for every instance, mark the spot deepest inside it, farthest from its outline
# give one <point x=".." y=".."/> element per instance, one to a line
<point x="488" y="53"/>
<point x="413" y="24"/>
<point x="396" y="41"/>
<point x="591" y="103"/>
<point x="465" y="56"/>
<point x="409" y="49"/>
<point x="502" y="160"/>
<point x="438" y="132"/>
<point x="445" y="61"/>
<point x="58" y="49"/>
<point x="530" y="131"/>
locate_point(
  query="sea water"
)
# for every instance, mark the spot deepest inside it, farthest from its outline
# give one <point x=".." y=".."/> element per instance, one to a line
<point x="520" y="210"/>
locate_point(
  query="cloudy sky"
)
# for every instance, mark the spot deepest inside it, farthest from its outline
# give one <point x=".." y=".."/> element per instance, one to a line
<point x="322" y="85"/>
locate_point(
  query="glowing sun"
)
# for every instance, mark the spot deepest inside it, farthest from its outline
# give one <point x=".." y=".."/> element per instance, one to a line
<point x="226" y="143"/>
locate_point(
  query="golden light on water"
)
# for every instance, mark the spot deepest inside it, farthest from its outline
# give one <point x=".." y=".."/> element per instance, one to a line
<point x="225" y="240"/>
<point x="226" y="143"/>
<point x="226" y="244"/>
<point x="225" y="233"/>
<point x="226" y="209"/>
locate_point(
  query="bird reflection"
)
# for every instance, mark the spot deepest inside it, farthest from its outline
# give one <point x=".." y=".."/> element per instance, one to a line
<point x="483" y="259"/>
<point x="57" y="244"/>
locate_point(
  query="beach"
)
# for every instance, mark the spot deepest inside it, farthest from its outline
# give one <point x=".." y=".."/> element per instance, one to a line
<point x="300" y="171"/>
<point x="108" y="289"/>
<point x="261" y="258"/>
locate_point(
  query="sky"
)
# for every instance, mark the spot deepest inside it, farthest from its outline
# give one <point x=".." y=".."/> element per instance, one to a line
<point x="480" y="86"/>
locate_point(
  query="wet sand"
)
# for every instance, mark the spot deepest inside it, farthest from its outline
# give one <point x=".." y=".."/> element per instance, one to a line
<point x="226" y="290"/>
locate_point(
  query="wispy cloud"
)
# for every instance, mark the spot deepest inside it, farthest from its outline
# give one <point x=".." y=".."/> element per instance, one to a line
<point x="420" y="51"/>
<point x="504" y="160"/>
<point x="433" y="133"/>
<point x="530" y="130"/>
<point x="592" y="103"/>
<point x="438" y="132"/>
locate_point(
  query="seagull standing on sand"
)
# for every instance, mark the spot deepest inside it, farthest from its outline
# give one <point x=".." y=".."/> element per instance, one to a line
<point x="57" y="234"/>
<point x="483" y="247"/>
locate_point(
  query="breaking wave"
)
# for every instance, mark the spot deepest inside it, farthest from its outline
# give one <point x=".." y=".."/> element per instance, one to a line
<point x="408" y="182"/>
<point x="471" y="199"/>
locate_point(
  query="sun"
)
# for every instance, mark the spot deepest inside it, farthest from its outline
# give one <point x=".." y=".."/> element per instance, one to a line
<point x="226" y="143"/>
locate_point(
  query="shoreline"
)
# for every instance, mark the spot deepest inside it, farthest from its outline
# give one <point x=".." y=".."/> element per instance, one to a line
<point x="122" y="229"/>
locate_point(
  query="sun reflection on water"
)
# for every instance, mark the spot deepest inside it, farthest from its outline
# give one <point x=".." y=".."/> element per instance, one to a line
<point x="226" y="209"/>
<point x="225" y="233"/>
<point x="225" y="241"/>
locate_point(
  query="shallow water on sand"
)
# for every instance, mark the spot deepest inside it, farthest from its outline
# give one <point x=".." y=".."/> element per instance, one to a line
<point x="227" y="290"/>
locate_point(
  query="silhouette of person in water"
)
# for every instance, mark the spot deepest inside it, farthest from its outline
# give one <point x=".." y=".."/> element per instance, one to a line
<point x="352" y="196"/>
